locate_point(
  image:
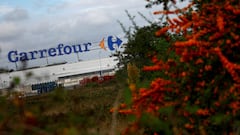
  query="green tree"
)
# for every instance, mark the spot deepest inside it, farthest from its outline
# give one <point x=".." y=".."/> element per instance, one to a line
<point x="141" y="46"/>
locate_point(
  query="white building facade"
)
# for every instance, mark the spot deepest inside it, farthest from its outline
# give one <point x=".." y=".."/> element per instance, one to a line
<point x="68" y="74"/>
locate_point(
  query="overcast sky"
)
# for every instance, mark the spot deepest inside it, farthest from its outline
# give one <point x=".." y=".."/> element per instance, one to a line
<point x="27" y="25"/>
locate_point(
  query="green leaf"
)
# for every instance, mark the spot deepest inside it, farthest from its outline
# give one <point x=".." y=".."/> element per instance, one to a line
<point x="156" y="125"/>
<point x="72" y="131"/>
<point x="219" y="119"/>
<point x="192" y="109"/>
<point x="1" y="117"/>
<point x="166" y="110"/>
<point x="131" y="118"/>
<point x="16" y="80"/>
<point x="128" y="96"/>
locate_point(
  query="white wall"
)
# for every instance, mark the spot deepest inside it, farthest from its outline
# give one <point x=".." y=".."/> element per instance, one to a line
<point x="52" y="73"/>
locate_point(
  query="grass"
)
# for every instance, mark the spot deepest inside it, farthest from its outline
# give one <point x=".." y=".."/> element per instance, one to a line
<point x="84" y="110"/>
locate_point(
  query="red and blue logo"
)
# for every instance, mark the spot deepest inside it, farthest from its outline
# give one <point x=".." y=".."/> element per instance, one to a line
<point x="112" y="43"/>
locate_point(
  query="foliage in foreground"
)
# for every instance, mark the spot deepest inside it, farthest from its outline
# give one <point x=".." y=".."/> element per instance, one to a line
<point x="196" y="92"/>
<point x="82" y="111"/>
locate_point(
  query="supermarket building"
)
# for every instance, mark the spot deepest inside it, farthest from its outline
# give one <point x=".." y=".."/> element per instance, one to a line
<point x="64" y="74"/>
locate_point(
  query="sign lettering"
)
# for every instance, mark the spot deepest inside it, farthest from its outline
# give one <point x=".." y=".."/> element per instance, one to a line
<point x="61" y="49"/>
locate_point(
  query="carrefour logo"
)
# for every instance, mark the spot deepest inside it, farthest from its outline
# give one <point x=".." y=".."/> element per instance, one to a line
<point x="61" y="49"/>
<point x="111" y="43"/>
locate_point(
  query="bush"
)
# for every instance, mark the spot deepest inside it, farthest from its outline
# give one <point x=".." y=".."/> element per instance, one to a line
<point x="197" y="90"/>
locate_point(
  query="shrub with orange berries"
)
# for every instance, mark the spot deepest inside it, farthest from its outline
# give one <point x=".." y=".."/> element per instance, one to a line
<point x="204" y="81"/>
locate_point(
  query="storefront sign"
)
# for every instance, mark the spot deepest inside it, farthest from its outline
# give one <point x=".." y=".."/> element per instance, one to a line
<point x="61" y="49"/>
